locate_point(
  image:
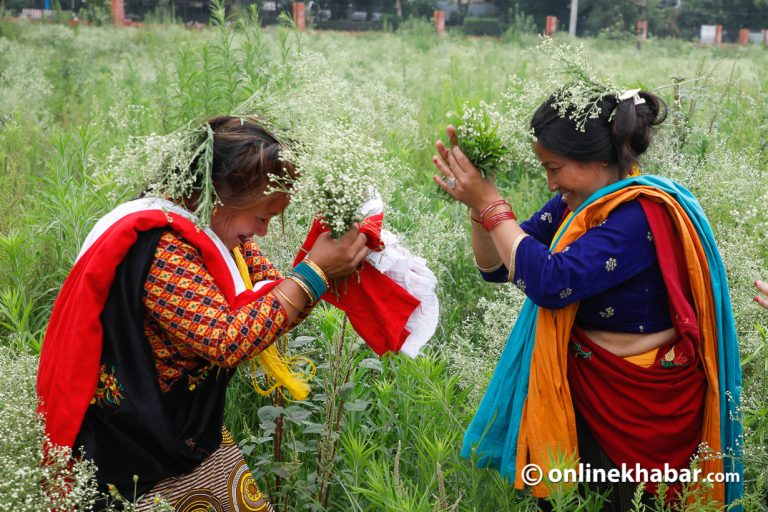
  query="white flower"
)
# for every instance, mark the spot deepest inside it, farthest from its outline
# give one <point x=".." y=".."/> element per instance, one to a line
<point x="607" y="312"/>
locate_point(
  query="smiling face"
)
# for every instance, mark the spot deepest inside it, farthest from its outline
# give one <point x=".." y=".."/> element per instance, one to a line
<point x="238" y="220"/>
<point x="575" y="180"/>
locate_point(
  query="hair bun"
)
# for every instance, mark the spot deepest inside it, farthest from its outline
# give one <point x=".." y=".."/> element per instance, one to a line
<point x="636" y="114"/>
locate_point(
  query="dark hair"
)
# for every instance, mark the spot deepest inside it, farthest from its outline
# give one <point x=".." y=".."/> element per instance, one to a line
<point x="618" y="135"/>
<point x="246" y="157"/>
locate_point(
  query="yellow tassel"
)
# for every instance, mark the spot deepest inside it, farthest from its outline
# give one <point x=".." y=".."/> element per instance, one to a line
<point x="276" y="368"/>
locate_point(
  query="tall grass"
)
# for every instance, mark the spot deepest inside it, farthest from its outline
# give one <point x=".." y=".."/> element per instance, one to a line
<point x="378" y="433"/>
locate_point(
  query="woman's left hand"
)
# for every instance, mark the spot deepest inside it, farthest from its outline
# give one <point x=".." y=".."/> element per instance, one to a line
<point x="460" y="178"/>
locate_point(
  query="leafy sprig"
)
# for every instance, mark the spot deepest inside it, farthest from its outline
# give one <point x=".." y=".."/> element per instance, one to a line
<point x="482" y="135"/>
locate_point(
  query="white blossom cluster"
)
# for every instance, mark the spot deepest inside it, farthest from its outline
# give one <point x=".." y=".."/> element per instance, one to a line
<point x="25" y="88"/>
<point x="329" y="127"/>
<point x="337" y="178"/>
<point x="326" y="124"/>
<point x="431" y="234"/>
<point x="164" y="166"/>
<point x="565" y="74"/>
<point x="126" y="119"/>
<point x="521" y="99"/>
<point x="476" y="347"/>
<point x="27" y="485"/>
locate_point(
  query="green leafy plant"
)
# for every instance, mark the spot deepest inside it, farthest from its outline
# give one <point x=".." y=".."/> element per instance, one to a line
<point x="483" y="137"/>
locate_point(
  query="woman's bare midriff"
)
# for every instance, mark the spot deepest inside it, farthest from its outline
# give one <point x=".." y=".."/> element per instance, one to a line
<point x="625" y="344"/>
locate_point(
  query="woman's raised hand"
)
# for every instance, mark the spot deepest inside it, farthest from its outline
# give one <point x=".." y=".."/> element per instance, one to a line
<point x="339" y="258"/>
<point x="460" y="178"/>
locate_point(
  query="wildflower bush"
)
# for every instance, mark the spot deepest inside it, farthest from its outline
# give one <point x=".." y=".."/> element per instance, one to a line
<point x="27" y="484"/>
<point x="84" y="109"/>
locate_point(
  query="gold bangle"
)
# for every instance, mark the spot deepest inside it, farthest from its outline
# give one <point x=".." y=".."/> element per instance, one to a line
<point x="303" y="286"/>
<point x="314" y="266"/>
<point x="493" y="268"/>
<point x="289" y="301"/>
<point x="515" y="245"/>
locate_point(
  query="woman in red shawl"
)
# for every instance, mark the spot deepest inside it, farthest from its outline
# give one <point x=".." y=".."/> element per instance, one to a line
<point x="155" y="317"/>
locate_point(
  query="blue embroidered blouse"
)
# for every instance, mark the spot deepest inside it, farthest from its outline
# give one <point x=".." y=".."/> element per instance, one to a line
<point x="612" y="270"/>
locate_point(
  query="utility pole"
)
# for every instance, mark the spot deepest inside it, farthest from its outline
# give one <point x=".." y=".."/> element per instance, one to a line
<point x="574" y="13"/>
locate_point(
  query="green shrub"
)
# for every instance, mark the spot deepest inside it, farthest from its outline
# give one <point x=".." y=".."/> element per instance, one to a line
<point x="349" y="25"/>
<point x="482" y="27"/>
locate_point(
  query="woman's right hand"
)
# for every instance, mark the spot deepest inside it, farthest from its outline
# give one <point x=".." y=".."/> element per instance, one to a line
<point x="339" y="258"/>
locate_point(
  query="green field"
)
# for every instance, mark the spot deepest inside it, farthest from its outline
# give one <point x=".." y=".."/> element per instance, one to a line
<point x="376" y="434"/>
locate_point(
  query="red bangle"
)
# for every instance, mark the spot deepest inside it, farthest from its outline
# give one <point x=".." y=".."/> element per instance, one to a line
<point x="495" y="220"/>
<point x="491" y="207"/>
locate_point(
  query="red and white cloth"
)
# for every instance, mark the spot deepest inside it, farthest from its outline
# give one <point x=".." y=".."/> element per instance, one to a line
<point x="391" y="302"/>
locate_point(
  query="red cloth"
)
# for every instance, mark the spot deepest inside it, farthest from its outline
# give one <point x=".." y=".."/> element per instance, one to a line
<point x="649" y="416"/>
<point x="378" y="308"/>
<point x="70" y="358"/>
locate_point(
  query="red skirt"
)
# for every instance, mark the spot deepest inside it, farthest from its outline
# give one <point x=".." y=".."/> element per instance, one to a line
<point x="639" y="416"/>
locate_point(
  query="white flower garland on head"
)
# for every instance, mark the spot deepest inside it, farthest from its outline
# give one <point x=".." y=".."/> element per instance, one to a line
<point x="582" y="90"/>
<point x="168" y="166"/>
<point x="337" y="161"/>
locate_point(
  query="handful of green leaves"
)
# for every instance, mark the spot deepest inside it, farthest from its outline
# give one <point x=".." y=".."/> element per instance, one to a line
<point x="482" y="136"/>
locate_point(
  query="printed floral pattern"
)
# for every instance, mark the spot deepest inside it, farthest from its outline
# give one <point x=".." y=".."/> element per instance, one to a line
<point x="607" y="312"/>
<point x="673" y="360"/>
<point x="109" y="392"/>
<point x="196" y="377"/>
<point x="580" y="352"/>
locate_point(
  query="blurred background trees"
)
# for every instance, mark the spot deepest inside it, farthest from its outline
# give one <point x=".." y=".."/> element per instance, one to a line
<point x="610" y="19"/>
